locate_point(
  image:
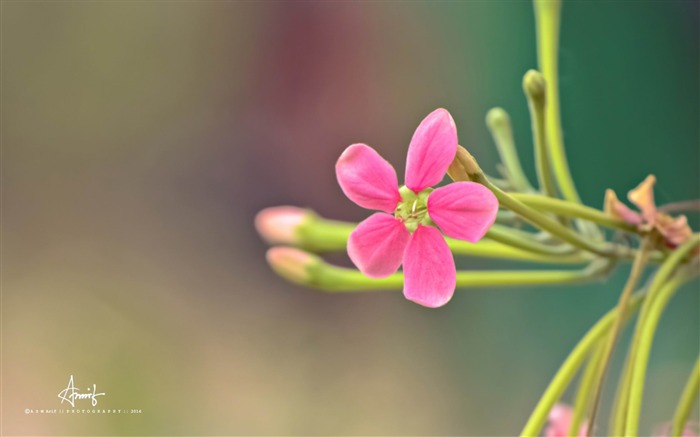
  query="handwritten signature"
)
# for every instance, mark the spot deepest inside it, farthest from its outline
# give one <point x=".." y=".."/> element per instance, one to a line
<point x="70" y="394"/>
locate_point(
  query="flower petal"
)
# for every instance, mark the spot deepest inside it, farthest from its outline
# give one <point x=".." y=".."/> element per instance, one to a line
<point x="432" y="149"/>
<point x="367" y="178"/>
<point x="377" y="245"/>
<point x="463" y="210"/>
<point x="619" y="210"/>
<point x="429" y="269"/>
<point x="559" y="422"/>
<point x="643" y="197"/>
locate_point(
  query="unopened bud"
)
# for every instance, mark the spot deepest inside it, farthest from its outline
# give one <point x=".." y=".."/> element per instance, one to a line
<point x="292" y="264"/>
<point x="498" y="119"/>
<point x="280" y="224"/>
<point x="467" y="161"/>
<point x="535" y="86"/>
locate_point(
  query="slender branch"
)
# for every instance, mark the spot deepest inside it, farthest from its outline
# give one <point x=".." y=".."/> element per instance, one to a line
<point x="499" y="125"/>
<point x="522" y="240"/>
<point x="534" y="86"/>
<point x="687" y="400"/>
<point x="547" y="17"/>
<point x="637" y="269"/>
<point x="332" y="278"/>
<point x="322" y="235"/>
<point x="585" y="388"/>
<point x="622" y="396"/>
<point x="571" y="365"/>
<point x="646" y="339"/>
<point x="570" y="209"/>
<point x="545" y="223"/>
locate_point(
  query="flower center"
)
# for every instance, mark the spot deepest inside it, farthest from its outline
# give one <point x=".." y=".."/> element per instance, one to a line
<point x="412" y="210"/>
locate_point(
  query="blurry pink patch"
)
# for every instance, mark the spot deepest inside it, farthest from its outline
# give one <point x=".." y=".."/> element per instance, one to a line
<point x="692" y="429"/>
<point x="559" y="422"/>
<point x="403" y="233"/>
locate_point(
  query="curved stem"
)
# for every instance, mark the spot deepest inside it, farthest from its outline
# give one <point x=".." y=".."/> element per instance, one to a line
<point x="332" y="278"/>
<point x="322" y="235"/>
<point x="687" y="400"/>
<point x="646" y="339"/>
<point x="570" y="366"/>
<point x="637" y="269"/>
<point x="522" y="240"/>
<point x="577" y="210"/>
<point x="499" y="125"/>
<point x="585" y="389"/>
<point x="547" y="17"/>
<point x="534" y="87"/>
<point x="547" y="224"/>
<point x="622" y="397"/>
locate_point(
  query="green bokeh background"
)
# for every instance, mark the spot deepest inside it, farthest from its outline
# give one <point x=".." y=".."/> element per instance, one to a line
<point x="139" y="139"/>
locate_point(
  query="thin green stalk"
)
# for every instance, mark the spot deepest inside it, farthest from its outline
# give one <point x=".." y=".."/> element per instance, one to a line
<point x="570" y="366"/>
<point x="637" y="269"/>
<point x="499" y="125"/>
<point x="576" y="210"/>
<point x="646" y="339"/>
<point x="321" y="235"/>
<point x="585" y="388"/>
<point x="332" y="278"/>
<point x="547" y="17"/>
<point x="662" y="276"/>
<point x="687" y="400"/>
<point x="535" y="90"/>
<point x="491" y="249"/>
<point x="522" y="240"/>
<point x="619" y="410"/>
<point x="545" y="223"/>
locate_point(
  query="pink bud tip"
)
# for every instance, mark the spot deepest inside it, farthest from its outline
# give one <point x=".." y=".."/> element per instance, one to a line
<point x="278" y="224"/>
<point x="291" y="263"/>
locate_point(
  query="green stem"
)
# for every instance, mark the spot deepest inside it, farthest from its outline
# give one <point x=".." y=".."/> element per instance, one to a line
<point x="585" y="389"/>
<point x="547" y="17"/>
<point x="321" y="235"/>
<point x="545" y="223"/>
<point x="576" y="210"/>
<point x="499" y="125"/>
<point x="646" y="338"/>
<point x="534" y="86"/>
<point x="332" y="278"/>
<point x="662" y="276"/>
<point x="637" y="269"/>
<point x="619" y="410"/>
<point x="522" y="240"/>
<point x="570" y="366"/>
<point x="687" y="400"/>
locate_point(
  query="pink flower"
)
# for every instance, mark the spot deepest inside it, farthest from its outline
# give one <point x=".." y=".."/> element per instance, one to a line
<point x="404" y="232"/>
<point x="560" y="422"/>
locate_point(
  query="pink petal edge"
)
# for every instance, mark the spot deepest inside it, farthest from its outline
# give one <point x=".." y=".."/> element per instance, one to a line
<point x="432" y="150"/>
<point x="429" y="270"/>
<point x="463" y="210"/>
<point x="377" y="245"/>
<point x="367" y="178"/>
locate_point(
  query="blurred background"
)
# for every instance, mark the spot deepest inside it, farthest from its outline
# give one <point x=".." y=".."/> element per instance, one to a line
<point x="140" y="139"/>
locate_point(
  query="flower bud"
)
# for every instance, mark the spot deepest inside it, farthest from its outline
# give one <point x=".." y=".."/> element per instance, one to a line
<point x="292" y="264"/>
<point x="535" y="86"/>
<point x="279" y="224"/>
